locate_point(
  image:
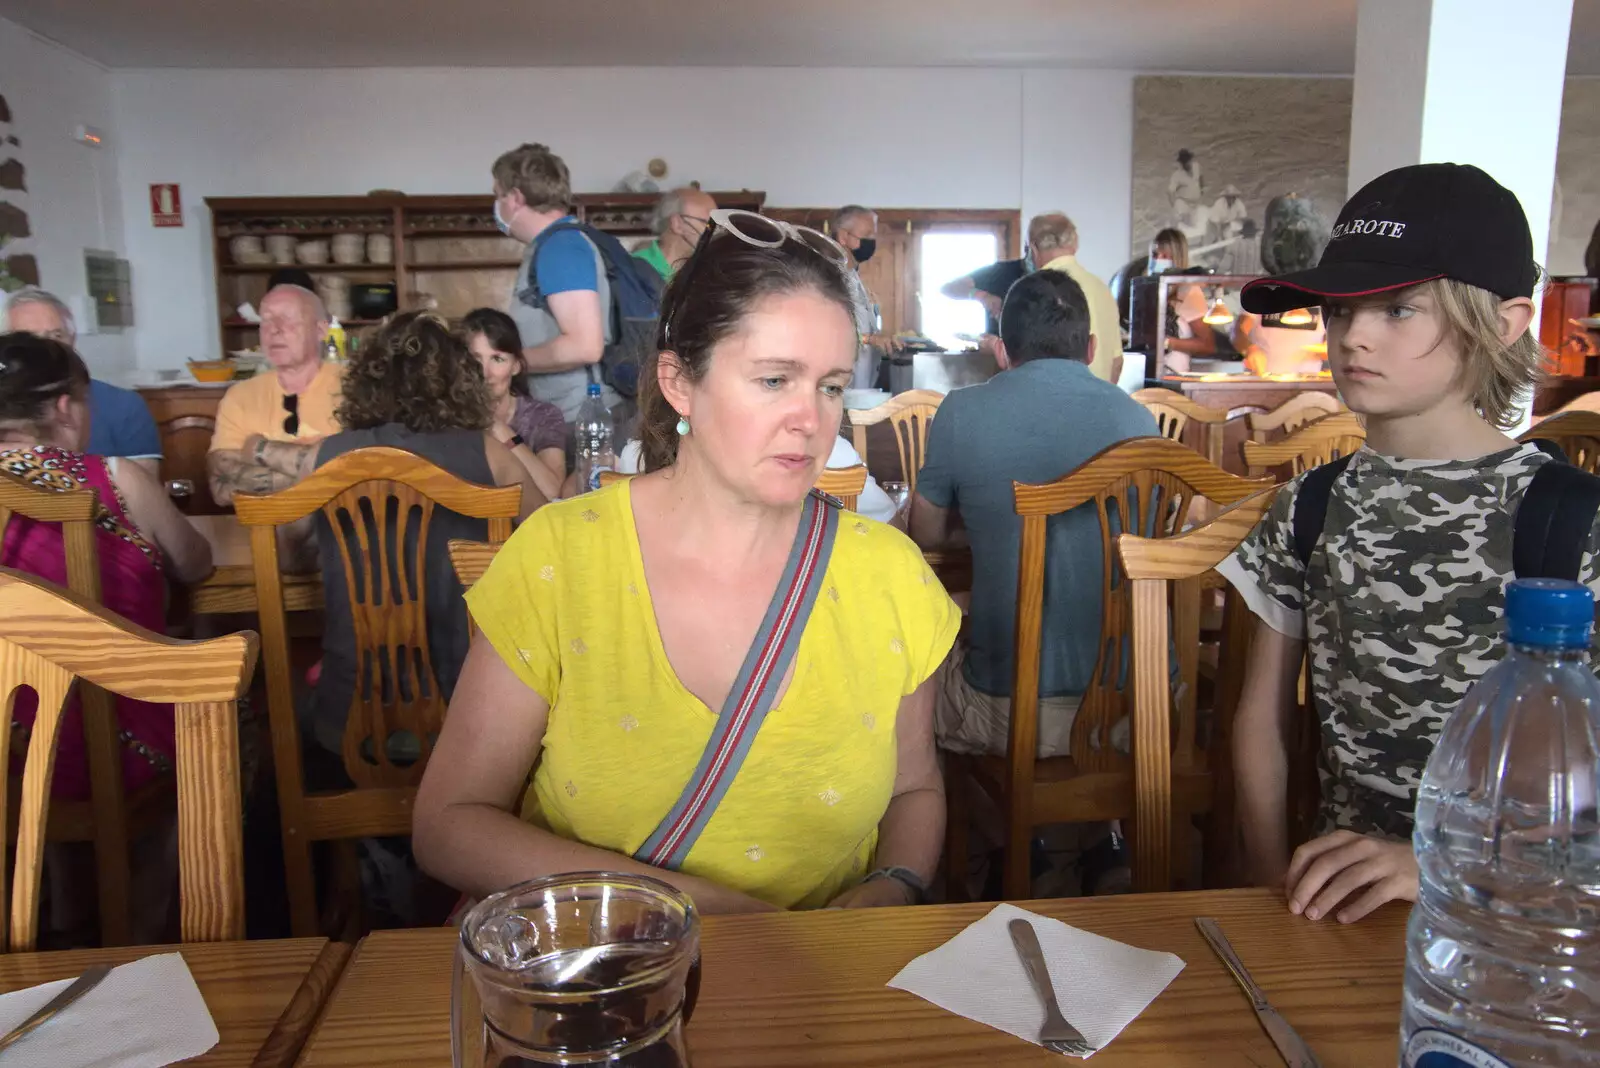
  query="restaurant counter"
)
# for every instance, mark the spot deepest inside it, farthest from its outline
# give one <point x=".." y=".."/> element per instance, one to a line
<point x="944" y="371"/>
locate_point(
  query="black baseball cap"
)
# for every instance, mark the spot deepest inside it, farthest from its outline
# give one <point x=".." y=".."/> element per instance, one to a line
<point x="1413" y="225"/>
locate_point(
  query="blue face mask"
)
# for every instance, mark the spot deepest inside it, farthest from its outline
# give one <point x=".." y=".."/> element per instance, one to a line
<point x="500" y="220"/>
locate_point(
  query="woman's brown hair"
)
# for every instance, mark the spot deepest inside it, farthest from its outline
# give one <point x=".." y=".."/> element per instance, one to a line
<point x="707" y="301"/>
<point x="418" y="372"/>
<point x="500" y="331"/>
<point x="34" y="373"/>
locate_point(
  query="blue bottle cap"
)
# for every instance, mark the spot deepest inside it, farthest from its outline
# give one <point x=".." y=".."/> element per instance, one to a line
<point x="594" y="389"/>
<point x="1549" y="613"/>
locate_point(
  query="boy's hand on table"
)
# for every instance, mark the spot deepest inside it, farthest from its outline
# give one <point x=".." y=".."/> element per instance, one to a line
<point x="1358" y="871"/>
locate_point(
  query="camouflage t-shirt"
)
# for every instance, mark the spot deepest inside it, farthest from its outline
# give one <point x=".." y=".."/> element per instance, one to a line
<point x="1400" y="606"/>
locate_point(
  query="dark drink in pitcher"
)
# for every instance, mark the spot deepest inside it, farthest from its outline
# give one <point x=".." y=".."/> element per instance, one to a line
<point x="581" y="968"/>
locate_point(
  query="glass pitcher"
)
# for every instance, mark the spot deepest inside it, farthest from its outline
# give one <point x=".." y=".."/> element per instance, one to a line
<point x="579" y="968"/>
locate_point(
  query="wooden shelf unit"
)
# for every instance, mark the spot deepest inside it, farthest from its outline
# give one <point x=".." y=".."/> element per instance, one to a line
<point x="310" y="268"/>
<point x="451" y="241"/>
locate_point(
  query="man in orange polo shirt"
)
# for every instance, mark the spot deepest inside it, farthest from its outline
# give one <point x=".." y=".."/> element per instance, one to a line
<point x="293" y="403"/>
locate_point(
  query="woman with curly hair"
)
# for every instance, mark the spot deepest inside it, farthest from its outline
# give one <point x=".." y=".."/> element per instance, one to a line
<point x="415" y="387"/>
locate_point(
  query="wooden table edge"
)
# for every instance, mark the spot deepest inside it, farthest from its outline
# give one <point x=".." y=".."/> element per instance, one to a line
<point x="331" y="997"/>
<point x="303" y="1015"/>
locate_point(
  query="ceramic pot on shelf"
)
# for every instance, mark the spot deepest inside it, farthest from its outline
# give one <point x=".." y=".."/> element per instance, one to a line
<point x="380" y="248"/>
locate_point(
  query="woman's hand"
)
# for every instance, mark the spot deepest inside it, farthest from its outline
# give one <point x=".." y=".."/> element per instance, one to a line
<point x="502" y="432"/>
<point x="1328" y="870"/>
<point x="879" y="893"/>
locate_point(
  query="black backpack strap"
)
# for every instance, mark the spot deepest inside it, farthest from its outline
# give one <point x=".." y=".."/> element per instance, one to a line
<point x="1311" y="506"/>
<point x="531" y="294"/>
<point x="534" y="296"/>
<point x="1550" y="449"/>
<point x="1554" y="521"/>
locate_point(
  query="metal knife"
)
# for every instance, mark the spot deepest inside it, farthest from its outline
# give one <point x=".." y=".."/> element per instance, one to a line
<point x="79" y="987"/>
<point x="1295" y="1053"/>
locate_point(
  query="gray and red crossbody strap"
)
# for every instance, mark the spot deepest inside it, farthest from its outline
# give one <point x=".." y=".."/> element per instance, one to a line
<point x="754" y="690"/>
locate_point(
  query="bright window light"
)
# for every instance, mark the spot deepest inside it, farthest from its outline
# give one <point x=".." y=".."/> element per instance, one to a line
<point x="944" y="256"/>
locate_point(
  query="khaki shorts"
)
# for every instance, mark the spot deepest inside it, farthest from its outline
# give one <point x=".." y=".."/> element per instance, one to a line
<point x="966" y="720"/>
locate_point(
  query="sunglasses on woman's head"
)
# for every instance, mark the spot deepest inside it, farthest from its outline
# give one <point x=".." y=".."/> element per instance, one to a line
<point x="757" y="230"/>
<point x="291" y="421"/>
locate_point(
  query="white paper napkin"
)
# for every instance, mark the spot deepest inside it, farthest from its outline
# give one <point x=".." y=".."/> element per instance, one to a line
<point x="143" y="1015"/>
<point x="1102" y="985"/>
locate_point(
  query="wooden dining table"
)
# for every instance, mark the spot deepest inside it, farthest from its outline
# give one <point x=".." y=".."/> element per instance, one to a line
<point x="263" y="996"/>
<point x="797" y="990"/>
<point x="231" y="588"/>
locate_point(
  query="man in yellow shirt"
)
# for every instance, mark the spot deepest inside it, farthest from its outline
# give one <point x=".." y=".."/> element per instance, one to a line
<point x="1054" y="241"/>
<point x="294" y="402"/>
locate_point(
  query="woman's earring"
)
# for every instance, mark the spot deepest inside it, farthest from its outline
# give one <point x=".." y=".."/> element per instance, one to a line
<point x="683" y="426"/>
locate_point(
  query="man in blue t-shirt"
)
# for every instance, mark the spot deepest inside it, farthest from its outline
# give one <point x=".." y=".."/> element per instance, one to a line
<point x="565" y="334"/>
<point x="119" y="421"/>
<point x="1042" y="416"/>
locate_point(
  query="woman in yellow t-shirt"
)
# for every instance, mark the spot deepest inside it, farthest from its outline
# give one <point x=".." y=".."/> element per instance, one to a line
<point x="614" y="626"/>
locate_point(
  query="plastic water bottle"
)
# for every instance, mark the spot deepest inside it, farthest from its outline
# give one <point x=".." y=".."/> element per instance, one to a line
<point x="1503" y="950"/>
<point x="592" y="431"/>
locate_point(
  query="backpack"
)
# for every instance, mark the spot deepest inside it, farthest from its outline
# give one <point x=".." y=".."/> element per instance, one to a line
<point x="635" y="305"/>
<point x="1550" y="530"/>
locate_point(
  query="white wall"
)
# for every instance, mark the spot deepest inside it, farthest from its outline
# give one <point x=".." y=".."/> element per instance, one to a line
<point x="73" y="198"/>
<point x="1469" y="37"/>
<point x="1077" y="157"/>
<point x="945" y="138"/>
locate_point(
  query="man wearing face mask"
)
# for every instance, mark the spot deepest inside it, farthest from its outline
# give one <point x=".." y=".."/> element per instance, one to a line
<point x="856" y="228"/>
<point x="681" y="216"/>
<point x="561" y="300"/>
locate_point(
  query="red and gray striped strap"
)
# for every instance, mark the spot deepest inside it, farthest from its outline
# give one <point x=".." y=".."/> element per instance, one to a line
<point x="754" y="690"/>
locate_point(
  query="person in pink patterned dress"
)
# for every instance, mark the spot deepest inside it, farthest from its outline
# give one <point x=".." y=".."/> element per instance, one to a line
<point x="141" y="539"/>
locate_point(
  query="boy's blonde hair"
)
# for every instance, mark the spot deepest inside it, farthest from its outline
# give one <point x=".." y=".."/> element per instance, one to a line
<point x="1495" y="374"/>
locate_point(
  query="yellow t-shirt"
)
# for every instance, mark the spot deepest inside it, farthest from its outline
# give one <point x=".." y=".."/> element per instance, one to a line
<point x="255" y="406"/>
<point x="566" y="606"/>
<point x="1105" y="321"/>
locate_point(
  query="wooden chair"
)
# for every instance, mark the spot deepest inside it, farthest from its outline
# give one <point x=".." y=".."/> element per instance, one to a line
<point x="1173" y="411"/>
<point x="361" y="493"/>
<point x="1146" y="485"/>
<point x="105" y="817"/>
<point x="1586" y="402"/>
<point x="471" y="559"/>
<point x="911" y="414"/>
<point x="1577" y="432"/>
<point x="1292" y="414"/>
<point x="845" y="483"/>
<point x="1166" y="576"/>
<point x="51" y="638"/>
<point x="1312" y="445"/>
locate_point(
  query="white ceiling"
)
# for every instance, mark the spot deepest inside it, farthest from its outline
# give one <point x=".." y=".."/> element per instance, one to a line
<point x="1247" y="36"/>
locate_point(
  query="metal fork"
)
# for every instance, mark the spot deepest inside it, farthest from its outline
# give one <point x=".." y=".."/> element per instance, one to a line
<point x="1057" y="1035"/>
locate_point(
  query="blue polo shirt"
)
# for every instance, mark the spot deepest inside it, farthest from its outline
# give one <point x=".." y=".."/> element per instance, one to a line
<point x="120" y="423"/>
<point x="1033" y="423"/>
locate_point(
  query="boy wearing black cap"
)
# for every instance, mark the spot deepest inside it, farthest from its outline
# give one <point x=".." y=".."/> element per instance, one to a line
<point x="1393" y="566"/>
